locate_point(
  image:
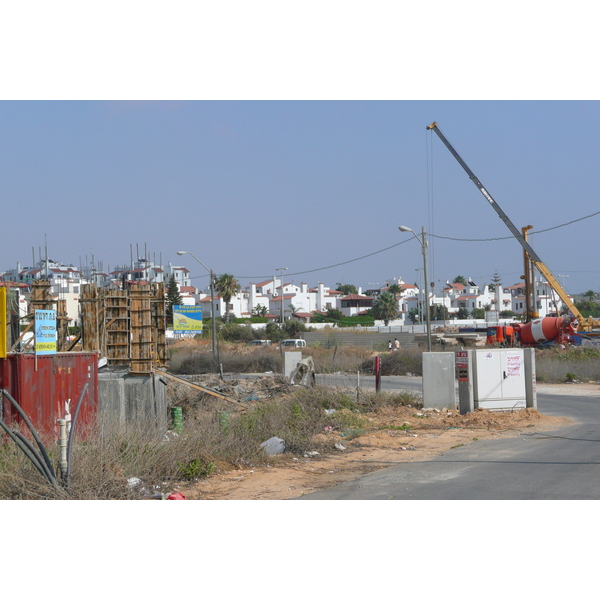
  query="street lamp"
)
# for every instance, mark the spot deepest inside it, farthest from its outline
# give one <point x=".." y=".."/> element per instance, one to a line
<point x="212" y="307"/>
<point x="282" y="269"/>
<point x="423" y="241"/>
<point x="563" y="280"/>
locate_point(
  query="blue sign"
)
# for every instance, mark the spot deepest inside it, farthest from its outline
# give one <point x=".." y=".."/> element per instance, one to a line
<point x="45" y="332"/>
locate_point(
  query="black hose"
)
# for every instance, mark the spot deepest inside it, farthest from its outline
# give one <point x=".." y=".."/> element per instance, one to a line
<point x="24" y="449"/>
<point x="36" y="437"/>
<point x="72" y="432"/>
<point x="49" y="476"/>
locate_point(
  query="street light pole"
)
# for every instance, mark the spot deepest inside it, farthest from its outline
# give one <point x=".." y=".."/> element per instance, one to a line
<point x="563" y="280"/>
<point x="215" y="348"/>
<point x="281" y="269"/>
<point x="423" y="241"/>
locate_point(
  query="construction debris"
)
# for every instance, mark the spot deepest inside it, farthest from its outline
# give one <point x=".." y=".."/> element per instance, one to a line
<point x="273" y="446"/>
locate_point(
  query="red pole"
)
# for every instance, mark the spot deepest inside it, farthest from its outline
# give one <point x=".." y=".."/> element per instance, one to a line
<point x="377" y="373"/>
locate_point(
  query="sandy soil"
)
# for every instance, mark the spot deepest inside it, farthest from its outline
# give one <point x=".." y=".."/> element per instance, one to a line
<point x="431" y="433"/>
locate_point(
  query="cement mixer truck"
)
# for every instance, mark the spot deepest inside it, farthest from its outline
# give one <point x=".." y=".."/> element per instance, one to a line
<point x="538" y="331"/>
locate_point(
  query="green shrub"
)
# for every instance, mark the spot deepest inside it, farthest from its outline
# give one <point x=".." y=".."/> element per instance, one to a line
<point x="553" y="365"/>
<point x="402" y="362"/>
<point x="195" y="469"/>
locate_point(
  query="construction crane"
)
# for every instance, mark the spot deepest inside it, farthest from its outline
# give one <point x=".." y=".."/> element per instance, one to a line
<point x="583" y="323"/>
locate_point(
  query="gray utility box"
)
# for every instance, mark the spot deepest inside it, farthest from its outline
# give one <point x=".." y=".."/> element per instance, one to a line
<point x="496" y="379"/>
<point x="439" y="381"/>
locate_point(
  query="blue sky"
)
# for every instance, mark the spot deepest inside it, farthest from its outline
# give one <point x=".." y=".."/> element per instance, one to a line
<point x="250" y="186"/>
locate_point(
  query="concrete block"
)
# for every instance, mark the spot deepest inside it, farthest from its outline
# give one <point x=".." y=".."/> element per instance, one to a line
<point x="290" y="361"/>
<point x="125" y="399"/>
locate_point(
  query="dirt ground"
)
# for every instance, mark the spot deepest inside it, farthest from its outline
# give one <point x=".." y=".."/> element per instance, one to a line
<point x="432" y="432"/>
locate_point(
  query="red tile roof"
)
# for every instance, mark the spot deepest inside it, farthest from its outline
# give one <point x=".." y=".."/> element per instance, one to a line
<point x="263" y="283"/>
<point x="357" y="297"/>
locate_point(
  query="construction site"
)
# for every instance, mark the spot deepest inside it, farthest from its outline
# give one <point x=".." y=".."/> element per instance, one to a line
<point x="114" y="372"/>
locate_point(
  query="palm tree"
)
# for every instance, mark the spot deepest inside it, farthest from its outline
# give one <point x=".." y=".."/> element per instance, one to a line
<point x="259" y="311"/>
<point x="385" y="307"/>
<point x="227" y="286"/>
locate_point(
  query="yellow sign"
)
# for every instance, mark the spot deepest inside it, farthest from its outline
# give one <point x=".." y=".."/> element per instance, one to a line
<point x="187" y="319"/>
<point x="3" y="319"/>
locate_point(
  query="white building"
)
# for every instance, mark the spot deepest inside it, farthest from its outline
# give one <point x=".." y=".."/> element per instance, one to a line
<point x="548" y="302"/>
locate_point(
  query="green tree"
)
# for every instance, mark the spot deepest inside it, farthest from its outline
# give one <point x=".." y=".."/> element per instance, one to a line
<point x="292" y="328"/>
<point x="478" y="313"/>
<point x="395" y="289"/>
<point x="496" y="279"/>
<point x="590" y="295"/>
<point x="385" y="307"/>
<point x="459" y="279"/>
<point x="334" y="314"/>
<point x="346" y="288"/>
<point x="463" y="313"/>
<point x="588" y="308"/>
<point x="413" y="314"/>
<point x="173" y="298"/>
<point x="275" y="332"/>
<point x="236" y="332"/>
<point x="227" y="286"/>
<point x="438" y="312"/>
<point x="259" y="311"/>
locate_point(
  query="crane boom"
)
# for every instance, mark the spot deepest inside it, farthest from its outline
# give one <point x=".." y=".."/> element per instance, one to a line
<point x="585" y="324"/>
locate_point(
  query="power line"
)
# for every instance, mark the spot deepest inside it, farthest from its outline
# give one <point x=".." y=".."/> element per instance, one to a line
<point x="510" y="237"/>
<point x="346" y="262"/>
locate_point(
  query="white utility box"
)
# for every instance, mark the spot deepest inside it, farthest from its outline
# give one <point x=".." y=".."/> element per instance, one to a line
<point x="496" y="379"/>
<point x="499" y="379"/>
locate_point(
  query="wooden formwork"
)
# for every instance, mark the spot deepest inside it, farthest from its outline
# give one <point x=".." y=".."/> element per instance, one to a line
<point x="62" y="326"/>
<point x="115" y="327"/>
<point x="159" y="323"/>
<point x="41" y="296"/>
<point x="141" y="330"/>
<point x="90" y="318"/>
<point x="126" y="327"/>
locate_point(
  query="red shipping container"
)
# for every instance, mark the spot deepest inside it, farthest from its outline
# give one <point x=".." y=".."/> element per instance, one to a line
<point x="43" y="385"/>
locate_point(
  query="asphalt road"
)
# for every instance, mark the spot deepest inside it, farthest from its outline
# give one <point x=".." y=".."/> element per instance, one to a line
<point x="563" y="464"/>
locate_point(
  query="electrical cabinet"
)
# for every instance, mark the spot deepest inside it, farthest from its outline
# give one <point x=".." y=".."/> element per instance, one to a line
<point x="496" y="379"/>
<point x="499" y="379"/>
